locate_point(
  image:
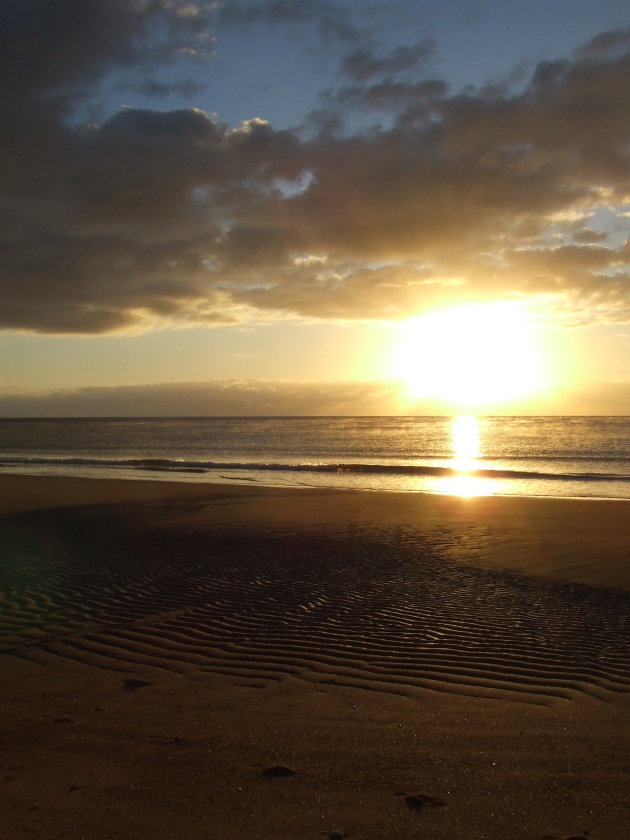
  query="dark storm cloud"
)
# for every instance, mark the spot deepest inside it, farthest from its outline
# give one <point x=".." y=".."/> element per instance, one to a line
<point x="403" y="194"/>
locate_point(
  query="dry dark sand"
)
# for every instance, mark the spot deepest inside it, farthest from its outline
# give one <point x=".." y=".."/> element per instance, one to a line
<point x="208" y="661"/>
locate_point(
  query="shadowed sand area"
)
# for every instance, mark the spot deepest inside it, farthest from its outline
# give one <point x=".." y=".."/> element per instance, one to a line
<point x="213" y="661"/>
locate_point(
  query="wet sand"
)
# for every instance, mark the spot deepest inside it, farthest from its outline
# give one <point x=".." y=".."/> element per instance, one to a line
<point x="216" y="661"/>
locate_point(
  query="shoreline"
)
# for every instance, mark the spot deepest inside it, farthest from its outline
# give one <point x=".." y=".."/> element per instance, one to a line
<point x="443" y="481"/>
<point x="582" y="540"/>
<point x="193" y="477"/>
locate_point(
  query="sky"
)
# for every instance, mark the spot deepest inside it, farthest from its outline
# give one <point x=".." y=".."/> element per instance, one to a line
<point x="314" y="207"/>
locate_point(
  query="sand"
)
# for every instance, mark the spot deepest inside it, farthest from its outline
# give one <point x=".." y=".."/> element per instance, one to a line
<point x="212" y="661"/>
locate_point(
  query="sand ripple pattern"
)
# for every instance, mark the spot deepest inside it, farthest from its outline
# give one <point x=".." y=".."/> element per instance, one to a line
<point x="379" y="610"/>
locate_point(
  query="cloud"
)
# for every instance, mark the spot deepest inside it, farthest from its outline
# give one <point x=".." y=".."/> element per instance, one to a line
<point x="56" y="50"/>
<point x="238" y="398"/>
<point x="226" y="398"/>
<point x="606" y="45"/>
<point x="362" y="64"/>
<point x="401" y="195"/>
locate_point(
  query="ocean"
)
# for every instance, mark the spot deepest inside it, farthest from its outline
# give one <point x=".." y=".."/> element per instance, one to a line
<point x="467" y="456"/>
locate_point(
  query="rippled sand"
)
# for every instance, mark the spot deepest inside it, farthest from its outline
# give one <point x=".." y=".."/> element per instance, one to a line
<point x="384" y="666"/>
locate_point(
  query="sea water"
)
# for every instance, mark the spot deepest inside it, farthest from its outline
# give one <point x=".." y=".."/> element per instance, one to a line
<point x="533" y="456"/>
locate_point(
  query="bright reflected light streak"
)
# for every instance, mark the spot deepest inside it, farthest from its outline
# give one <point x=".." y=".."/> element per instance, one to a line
<point x="465" y="437"/>
<point x="466" y="450"/>
<point x="468" y="486"/>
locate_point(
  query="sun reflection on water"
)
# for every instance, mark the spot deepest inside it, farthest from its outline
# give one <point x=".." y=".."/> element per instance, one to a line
<point x="465" y="438"/>
<point x="466" y="447"/>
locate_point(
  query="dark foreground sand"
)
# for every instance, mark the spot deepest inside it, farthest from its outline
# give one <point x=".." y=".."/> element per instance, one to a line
<point x="222" y="662"/>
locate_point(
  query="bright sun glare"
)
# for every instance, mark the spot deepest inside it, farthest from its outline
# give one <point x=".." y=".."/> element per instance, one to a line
<point x="466" y="445"/>
<point x="465" y="432"/>
<point x="473" y="355"/>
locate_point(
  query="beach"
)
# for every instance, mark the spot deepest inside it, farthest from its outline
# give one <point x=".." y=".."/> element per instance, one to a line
<point x="217" y="661"/>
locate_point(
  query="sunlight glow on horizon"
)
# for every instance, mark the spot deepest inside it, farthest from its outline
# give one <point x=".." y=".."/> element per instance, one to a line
<point x="470" y="356"/>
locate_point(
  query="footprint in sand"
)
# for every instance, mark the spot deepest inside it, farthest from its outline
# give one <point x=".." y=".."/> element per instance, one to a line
<point x="278" y="772"/>
<point x="134" y="685"/>
<point x="420" y="801"/>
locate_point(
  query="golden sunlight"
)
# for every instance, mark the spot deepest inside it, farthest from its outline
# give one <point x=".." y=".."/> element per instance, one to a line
<point x="465" y="432"/>
<point x="466" y="447"/>
<point x="473" y="355"/>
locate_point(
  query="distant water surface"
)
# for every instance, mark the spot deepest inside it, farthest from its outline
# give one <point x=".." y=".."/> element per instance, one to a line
<point x="533" y="456"/>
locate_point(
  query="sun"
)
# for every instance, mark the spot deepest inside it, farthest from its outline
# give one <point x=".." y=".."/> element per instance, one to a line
<point x="470" y="356"/>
